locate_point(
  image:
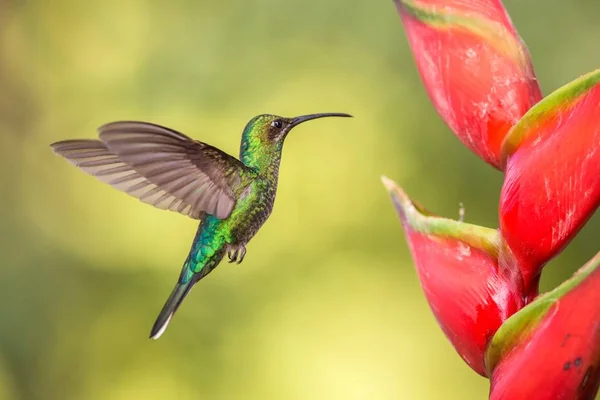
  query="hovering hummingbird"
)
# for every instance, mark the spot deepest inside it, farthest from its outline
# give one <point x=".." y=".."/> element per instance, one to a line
<point x="232" y="198"/>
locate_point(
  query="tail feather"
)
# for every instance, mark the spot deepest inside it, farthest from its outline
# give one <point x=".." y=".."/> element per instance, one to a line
<point x="179" y="293"/>
<point x="194" y="269"/>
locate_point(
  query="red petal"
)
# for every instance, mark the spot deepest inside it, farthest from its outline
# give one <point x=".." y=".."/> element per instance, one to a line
<point x="552" y="183"/>
<point x="458" y="269"/>
<point x="474" y="66"/>
<point x="551" y="348"/>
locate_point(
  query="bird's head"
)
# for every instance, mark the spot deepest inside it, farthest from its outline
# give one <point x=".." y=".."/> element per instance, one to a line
<point x="266" y="132"/>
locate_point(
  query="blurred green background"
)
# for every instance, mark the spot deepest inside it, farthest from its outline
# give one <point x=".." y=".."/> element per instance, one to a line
<point x="326" y="305"/>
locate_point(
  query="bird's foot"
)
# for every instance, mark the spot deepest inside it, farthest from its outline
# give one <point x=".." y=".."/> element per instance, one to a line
<point x="236" y="253"/>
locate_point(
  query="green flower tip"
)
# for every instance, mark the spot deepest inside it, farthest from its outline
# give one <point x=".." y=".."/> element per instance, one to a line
<point x="556" y="103"/>
<point x="418" y="219"/>
<point x="490" y="30"/>
<point x="521" y="325"/>
<point x="404" y="204"/>
<point x="399" y="198"/>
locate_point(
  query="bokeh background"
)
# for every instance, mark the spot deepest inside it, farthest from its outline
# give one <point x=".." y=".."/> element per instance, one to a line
<point x="326" y="304"/>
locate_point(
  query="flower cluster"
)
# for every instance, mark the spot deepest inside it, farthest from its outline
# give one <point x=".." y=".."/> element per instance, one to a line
<point x="481" y="283"/>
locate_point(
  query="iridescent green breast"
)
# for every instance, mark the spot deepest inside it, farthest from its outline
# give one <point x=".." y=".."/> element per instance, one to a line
<point x="251" y="211"/>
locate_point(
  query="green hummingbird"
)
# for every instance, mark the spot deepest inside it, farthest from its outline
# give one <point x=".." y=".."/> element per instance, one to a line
<point x="232" y="198"/>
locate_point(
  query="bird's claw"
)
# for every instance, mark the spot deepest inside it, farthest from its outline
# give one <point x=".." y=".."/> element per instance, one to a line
<point x="237" y="254"/>
<point x="232" y="255"/>
<point x="242" y="255"/>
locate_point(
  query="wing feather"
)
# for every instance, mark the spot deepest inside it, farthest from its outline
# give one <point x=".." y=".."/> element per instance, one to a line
<point x="161" y="167"/>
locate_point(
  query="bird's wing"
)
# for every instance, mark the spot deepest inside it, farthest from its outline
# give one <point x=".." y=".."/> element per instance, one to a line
<point x="161" y="167"/>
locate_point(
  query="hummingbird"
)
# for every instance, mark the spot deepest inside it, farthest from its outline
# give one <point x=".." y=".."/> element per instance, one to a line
<point x="232" y="198"/>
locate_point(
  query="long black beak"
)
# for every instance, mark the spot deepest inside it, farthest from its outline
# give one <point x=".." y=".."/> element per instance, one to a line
<point x="304" y="118"/>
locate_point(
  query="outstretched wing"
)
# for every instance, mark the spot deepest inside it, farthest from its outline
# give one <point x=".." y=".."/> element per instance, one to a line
<point x="160" y="166"/>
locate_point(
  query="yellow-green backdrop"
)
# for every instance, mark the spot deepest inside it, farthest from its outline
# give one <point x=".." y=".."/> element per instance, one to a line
<point x="326" y="304"/>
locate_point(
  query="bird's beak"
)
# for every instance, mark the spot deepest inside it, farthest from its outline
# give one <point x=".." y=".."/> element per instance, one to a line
<point x="304" y="118"/>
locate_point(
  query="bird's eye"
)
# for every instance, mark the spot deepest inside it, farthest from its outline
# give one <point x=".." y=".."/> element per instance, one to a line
<point x="277" y="124"/>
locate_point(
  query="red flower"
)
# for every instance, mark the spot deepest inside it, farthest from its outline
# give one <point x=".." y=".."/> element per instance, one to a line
<point x="475" y="67"/>
<point x="552" y="182"/>
<point x="551" y="348"/>
<point x="457" y="264"/>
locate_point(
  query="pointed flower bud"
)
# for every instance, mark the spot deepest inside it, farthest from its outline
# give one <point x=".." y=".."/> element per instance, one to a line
<point x="551" y="348"/>
<point x="458" y="268"/>
<point x="475" y="67"/>
<point x="552" y="182"/>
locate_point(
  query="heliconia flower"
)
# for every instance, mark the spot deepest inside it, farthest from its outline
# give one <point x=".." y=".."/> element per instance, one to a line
<point x="550" y="350"/>
<point x="457" y="264"/>
<point x="552" y="174"/>
<point x="475" y="68"/>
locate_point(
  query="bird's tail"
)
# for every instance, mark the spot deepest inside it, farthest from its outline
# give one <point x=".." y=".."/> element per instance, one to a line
<point x="179" y="293"/>
<point x="186" y="281"/>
